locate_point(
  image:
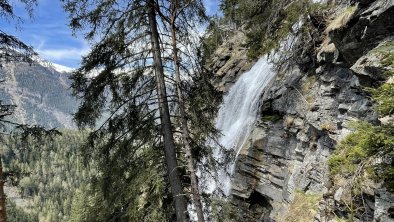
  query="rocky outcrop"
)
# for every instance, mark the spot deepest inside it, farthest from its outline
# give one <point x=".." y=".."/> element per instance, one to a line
<point x="369" y="67"/>
<point x="304" y="114"/>
<point x="229" y="61"/>
<point x="384" y="206"/>
<point x="291" y="154"/>
<point x="370" y="25"/>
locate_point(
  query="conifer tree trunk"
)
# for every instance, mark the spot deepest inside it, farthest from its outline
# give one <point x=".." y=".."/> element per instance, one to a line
<point x="166" y="126"/>
<point x="184" y="128"/>
<point x="3" y="215"/>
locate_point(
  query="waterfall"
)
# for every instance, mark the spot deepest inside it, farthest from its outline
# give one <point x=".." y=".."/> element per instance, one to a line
<point x="236" y="117"/>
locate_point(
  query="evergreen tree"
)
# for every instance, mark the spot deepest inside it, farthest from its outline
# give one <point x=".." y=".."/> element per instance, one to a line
<point x="131" y="85"/>
<point x="166" y="125"/>
<point x="11" y="48"/>
<point x="181" y="17"/>
<point x="134" y="89"/>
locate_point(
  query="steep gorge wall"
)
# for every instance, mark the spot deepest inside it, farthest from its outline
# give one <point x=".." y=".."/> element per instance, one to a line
<point x="282" y="172"/>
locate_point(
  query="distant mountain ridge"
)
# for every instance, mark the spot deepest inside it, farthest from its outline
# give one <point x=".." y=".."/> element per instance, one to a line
<point x="41" y="92"/>
<point x="53" y="66"/>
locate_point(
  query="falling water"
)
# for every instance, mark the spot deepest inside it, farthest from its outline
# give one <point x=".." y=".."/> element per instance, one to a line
<point x="235" y="120"/>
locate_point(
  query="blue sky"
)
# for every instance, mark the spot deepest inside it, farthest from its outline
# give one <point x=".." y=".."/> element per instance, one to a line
<point x="50" y="36"/>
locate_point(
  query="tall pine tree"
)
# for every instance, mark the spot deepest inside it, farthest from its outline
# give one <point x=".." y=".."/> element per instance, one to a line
<point x="137" y="89"/>
<point x="129" y="89"/>
<point x="181" y="18"/>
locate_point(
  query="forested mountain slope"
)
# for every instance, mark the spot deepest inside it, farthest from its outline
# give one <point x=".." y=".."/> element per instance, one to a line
<point x="41" y="93"/>
<point x="48" y="172"/>
<point x="51" y="176"/>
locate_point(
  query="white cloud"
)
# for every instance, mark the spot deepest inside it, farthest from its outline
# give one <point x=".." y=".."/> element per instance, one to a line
<point x="63" y="53"/>
<point x="60" y="51"/>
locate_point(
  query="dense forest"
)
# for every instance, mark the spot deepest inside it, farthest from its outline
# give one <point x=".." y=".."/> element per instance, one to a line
<point x="161" y="82"/>
<point x="52" y="175"/>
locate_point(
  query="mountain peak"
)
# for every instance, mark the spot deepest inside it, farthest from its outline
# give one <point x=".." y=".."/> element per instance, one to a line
<point x="54" y="66"/>
<point x="61" y="68"/>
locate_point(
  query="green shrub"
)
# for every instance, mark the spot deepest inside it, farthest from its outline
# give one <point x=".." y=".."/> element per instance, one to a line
<point x="212" y="40"/>
<point x="388" y="61"/>
<point x="368" y="152"/>
<point x="386" y="50"/>
<point x="384" y="98"/>
<point x="281" y="26"/>
<point x="358" y="149"/>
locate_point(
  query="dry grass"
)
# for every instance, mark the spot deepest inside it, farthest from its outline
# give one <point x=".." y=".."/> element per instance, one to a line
<point x="328" y="127"/>
<point x="288" y="121"/>
<point x="341" y="20"/>
<point x="303" y="208"/>
<point x="308" y="84"/>
<point x="306" y="87"/>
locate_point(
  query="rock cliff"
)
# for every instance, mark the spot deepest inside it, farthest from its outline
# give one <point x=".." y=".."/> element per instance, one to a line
<point x="282" y="172"/>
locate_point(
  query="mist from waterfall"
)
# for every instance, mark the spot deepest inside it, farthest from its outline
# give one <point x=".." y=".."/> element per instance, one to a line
<point x="236" y="117"/>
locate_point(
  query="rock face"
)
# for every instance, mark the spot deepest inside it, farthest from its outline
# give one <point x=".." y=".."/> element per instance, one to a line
<point x="370" y="25"/>
<point x="305" y="113"/>
<point x="291" y="154"/>
<point x="229" y="61"/>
